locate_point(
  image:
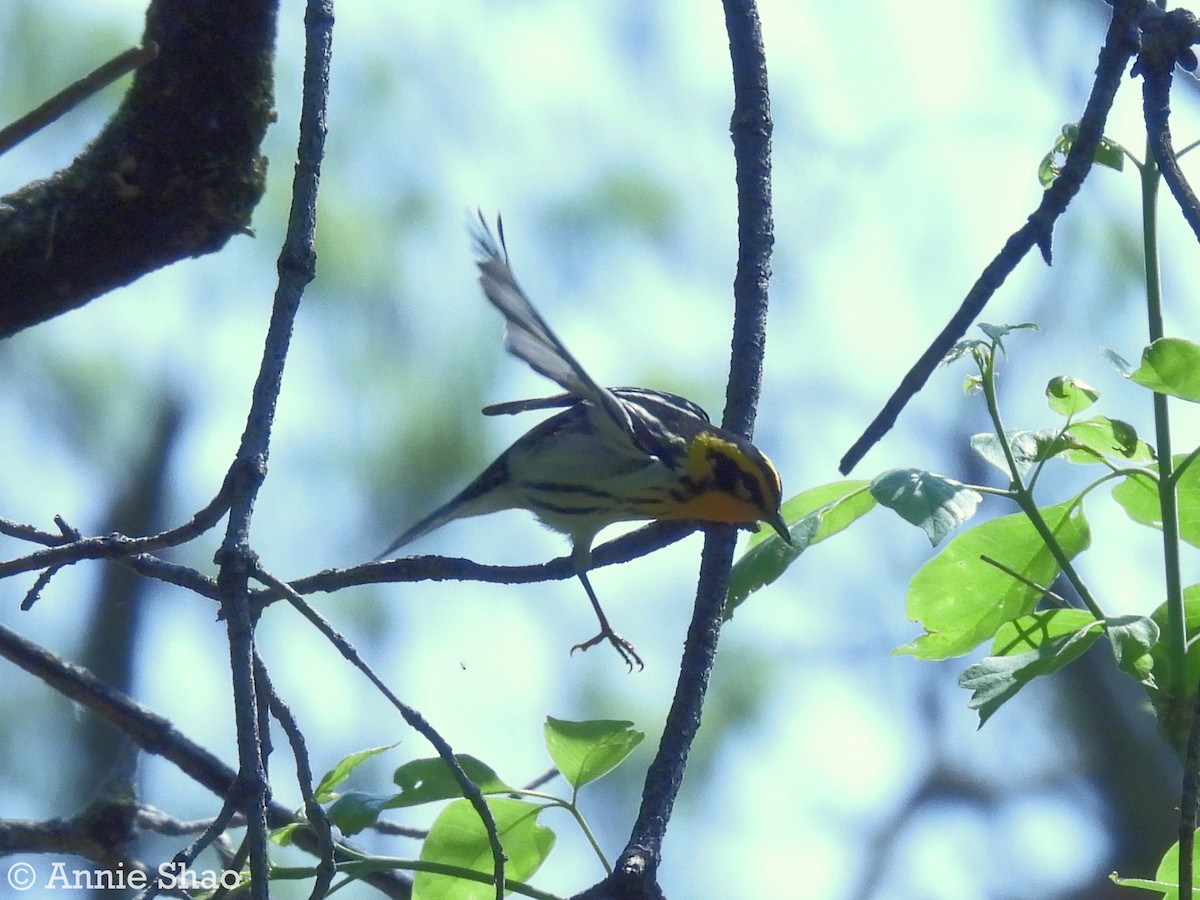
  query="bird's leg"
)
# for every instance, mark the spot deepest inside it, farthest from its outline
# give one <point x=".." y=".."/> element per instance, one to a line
<point x="606" y="632"/>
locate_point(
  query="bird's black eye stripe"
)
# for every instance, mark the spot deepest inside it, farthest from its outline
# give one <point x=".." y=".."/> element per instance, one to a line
<point x="733" y="479"/>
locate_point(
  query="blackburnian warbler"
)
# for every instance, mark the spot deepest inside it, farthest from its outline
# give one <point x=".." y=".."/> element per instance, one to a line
<point x="612" y="455"/>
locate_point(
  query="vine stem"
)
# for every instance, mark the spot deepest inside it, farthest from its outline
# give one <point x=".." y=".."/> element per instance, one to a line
<point x="1176" y="617"/>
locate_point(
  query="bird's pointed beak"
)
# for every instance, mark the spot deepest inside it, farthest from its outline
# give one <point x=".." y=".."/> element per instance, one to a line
<point x="775" y="520"/>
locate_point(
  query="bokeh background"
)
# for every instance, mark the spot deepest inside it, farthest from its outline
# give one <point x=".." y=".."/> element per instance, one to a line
<point x="907" y="140"/>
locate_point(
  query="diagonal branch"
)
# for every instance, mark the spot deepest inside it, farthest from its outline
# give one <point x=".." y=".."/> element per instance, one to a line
<point x="1120" y="44"/>
<point x="71" y="96"/>
<point x="158" y="735"/>
<point x="412" y="717"/>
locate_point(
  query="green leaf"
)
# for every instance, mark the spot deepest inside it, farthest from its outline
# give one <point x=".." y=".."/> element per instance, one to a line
<point x="430" y="779"/>
<point x="1048" y="169"/>
<point x="961" y="600"/>
<point x="816" y="514"/>
<point x="1166" y="878"/>
<point x="1101" y="436"/>
<point x="996" y="333"/>
<point x="1027" y="447"/>
<point x="585" y="751"/>
<point x="458" y="838"/>
<point x="934" y="503"/>
<point x="1120" y="363"/>
<point x="323" y="792"/>
<point x="965" y="347"/>
<point x="1069" y="396"/>
<point x="1164" y="663"/>
<point x="995" y="680"/>
<point x="1168" y="866"/>
<point x="840" y="503"/>
<point x="1089" y="441"/>
<point x="764" y="562"/>
<point x="1133" y="640"/>
<point x="1108" y="153"/>
<point x="355" y="810"/>
<point x="1163" y="889"/>
<point x="1187" y="499"/>
<point x="1138" y="496"/>
<point x="283" y="836"/>
<point x="1037" y="629"/>
<point x="1170" y="366"/>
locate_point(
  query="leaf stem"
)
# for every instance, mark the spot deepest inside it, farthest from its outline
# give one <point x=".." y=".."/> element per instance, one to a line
<point x="570" y="807"/>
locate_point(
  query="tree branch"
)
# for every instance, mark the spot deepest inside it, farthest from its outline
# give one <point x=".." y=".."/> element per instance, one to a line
<point x="1120" y="44"/>
<point x="175" y="173"/>
<point x="297" y="266"/>
<point x="1166" y="43"/>
<point x="158" y="735"/>
<point x="635" y="874"/>
<point x="70" y="97"/>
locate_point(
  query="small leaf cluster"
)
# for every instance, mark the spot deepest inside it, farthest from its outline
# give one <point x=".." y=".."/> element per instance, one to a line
<point x="1109" y="153"/>
<point x="993" y="583"/>
<point x="455" y="861"/>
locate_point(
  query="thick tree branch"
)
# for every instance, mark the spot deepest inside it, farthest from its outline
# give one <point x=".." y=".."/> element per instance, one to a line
<point x="175" y="173"/>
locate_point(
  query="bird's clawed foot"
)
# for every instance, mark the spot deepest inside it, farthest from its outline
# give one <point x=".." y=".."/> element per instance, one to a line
<point x="622" y="646"/>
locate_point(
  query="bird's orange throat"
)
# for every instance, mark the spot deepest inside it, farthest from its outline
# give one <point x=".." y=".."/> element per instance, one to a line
<point x="715" y="506"/>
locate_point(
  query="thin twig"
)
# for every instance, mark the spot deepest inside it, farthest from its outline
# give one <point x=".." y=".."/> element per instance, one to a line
<point x="184" y="858"/>
<point x="72" y="549"/>
<point x="1167" y="37"/>
<point x="415" y="720"/>
<point x="547" y="776"/>
<point x="172" y="573"/>
<point x="70" y="97"/>
<point x="31" y="533"/>
<point x="39" y="585"/>
<point x="151" y="818"/>
<point x="318" y="820"/>
<point x="1028" y="582"/>
<point x="448" y="568"/>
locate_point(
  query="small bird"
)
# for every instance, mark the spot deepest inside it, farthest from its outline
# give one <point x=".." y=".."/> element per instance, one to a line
<point x="611" y="455"/>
